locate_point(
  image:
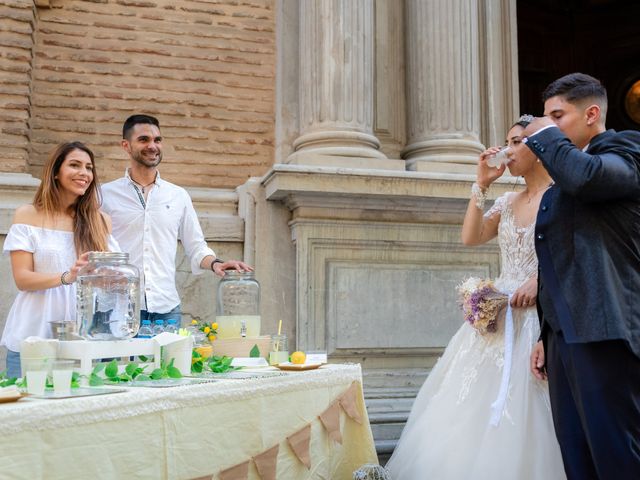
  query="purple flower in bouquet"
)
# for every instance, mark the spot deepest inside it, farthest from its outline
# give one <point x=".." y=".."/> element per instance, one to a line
<point x="481" y="304"/>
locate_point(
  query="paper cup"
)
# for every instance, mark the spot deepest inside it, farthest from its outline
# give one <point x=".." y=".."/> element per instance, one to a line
<point x="36" y="374"/>
<point x="62" y="371"/>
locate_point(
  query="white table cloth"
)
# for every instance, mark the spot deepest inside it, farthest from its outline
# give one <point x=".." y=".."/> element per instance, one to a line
<point x="186" y="432"/>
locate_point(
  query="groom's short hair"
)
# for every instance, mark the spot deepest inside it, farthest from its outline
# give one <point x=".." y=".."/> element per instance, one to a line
<point x="137" y="119"/>
<point x="578" y="88"/>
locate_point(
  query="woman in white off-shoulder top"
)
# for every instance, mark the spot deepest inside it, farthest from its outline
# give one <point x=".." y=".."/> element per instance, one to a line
<point x="49" y="242"/>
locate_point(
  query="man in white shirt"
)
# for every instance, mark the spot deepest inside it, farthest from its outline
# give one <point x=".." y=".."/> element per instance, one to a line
<point x="150" y="215"/>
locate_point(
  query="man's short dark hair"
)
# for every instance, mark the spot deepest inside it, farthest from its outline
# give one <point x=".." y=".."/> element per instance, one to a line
<point x="576" y="87"/>
<point x="134" y="120"/>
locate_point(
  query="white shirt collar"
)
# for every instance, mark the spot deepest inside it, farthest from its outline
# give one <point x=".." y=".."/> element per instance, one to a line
<point x="158" y="181"/>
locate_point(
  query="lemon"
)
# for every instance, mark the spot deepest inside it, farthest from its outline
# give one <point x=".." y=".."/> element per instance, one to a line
<point x="298" y="358"/>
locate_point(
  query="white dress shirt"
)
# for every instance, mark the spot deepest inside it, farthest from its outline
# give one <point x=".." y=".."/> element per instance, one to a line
<point x="149" y="233"/>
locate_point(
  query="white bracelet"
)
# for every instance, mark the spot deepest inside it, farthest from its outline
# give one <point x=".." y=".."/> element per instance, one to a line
<point x="479" y="194"/>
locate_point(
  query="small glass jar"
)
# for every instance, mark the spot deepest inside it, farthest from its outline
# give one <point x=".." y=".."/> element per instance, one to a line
<point x="238" y="309"/>
<point x="108" y="293"/>
<point x="279" y="351"/>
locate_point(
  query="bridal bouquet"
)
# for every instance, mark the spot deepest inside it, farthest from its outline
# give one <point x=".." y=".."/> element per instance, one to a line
<point x="481" y="303"/>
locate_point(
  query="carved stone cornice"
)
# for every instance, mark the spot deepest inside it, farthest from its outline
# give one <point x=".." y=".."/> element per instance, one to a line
<point x="332" y="187"/>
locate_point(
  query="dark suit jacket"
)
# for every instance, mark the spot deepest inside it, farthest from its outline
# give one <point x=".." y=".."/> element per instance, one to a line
<point x="588" y="237"/>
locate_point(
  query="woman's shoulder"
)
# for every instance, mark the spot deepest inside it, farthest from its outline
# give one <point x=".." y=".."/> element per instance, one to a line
<point x="27" y="215"/>
<point x="31" y="219"/>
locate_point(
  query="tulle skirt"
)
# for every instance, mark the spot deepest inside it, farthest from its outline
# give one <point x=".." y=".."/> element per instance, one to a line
<point x="448" y="435"/>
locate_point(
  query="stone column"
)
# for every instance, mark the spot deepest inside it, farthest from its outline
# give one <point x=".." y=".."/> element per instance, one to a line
<point x="336" y="86"/>
<point x="443" y="89"/>
<point x="500" y="104"/>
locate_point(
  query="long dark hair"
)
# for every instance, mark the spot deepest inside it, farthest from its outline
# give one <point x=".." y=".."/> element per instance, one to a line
<point x="90" y="230"/>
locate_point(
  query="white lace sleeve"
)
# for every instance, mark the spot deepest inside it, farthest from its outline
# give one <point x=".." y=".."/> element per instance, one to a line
<point x="498" y="206"/>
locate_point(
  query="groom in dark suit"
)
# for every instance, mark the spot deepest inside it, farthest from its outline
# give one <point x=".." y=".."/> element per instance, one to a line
<point x="588" y="246"/>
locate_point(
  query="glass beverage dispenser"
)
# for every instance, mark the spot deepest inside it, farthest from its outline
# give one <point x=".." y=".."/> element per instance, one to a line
<point x="107" y="297"/>
<point x="238" y="309"/>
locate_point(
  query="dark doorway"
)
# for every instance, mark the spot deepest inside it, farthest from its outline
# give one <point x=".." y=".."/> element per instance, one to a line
<point x="597" y="37"/>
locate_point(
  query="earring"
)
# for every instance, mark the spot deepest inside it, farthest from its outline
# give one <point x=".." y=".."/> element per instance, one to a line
<point x="538" y="160"/>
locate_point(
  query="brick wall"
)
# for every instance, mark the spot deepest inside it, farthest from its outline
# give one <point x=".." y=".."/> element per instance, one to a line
<point x="16" y="42"/>
<point x="205" y="68"/>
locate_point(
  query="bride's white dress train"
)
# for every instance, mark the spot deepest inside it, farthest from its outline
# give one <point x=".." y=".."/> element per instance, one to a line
<point x="448" y="435"/>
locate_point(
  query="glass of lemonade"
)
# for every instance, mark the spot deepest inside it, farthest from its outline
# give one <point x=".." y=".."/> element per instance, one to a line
<point x="62" y="371"/>
<point x="279" y="352"/>
<point x="35" y="372"/>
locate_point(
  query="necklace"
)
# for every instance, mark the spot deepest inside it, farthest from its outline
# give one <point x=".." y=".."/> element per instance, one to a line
<point x="142" y="187"/>
<point x="530" y="197"/>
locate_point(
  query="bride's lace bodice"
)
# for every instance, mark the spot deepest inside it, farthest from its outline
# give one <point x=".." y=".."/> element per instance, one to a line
<point x="517" y="249"/>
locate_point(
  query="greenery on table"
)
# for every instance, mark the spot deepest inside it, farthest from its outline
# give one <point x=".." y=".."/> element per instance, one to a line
<point x="255" y="352"/>
<point x="22" y="382"/>
<point x="215" y="364"/>
<point x="110" y="373"/>
<point x="6" y="381"/>
<point x="221" y="364"/>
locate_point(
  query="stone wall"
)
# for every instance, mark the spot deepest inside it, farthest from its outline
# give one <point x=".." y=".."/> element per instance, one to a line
<point x="17" y="19"/>
<point x="204" y="68"/>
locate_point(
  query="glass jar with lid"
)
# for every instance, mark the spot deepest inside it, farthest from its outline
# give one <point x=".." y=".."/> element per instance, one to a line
<point x="108" y="293"/>
<point x="238" y="306"/>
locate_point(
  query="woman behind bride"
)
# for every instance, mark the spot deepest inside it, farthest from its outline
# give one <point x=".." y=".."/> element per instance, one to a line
<point x="458" y="429"/>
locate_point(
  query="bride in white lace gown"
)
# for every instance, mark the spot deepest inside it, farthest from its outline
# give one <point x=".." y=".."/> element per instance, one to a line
<point x="449" y="435"/>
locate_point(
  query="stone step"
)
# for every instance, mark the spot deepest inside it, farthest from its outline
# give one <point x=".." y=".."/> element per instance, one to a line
<point x="386" y="431"/>
<point x="389" y="417"/>
<point x="396" y="392"/>
<point x="385" y="446"/>
<point x="384" y="449"/>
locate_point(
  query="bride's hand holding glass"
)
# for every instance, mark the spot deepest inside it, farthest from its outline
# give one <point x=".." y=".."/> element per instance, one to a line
<point x="487" y="174"/>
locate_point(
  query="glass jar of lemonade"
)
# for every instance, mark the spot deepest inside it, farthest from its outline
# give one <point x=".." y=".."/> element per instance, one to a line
<point x="107" y="297"/>
<point x="238" y="309"/>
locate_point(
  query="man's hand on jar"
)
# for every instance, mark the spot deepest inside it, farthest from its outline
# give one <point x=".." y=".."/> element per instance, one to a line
<point x="220" y="266"/>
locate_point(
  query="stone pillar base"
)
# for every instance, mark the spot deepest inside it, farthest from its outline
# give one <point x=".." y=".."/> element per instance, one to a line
<point x="346" y="149"/>
<point x="449" y="151"/>
<point x="344" y="157"/>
